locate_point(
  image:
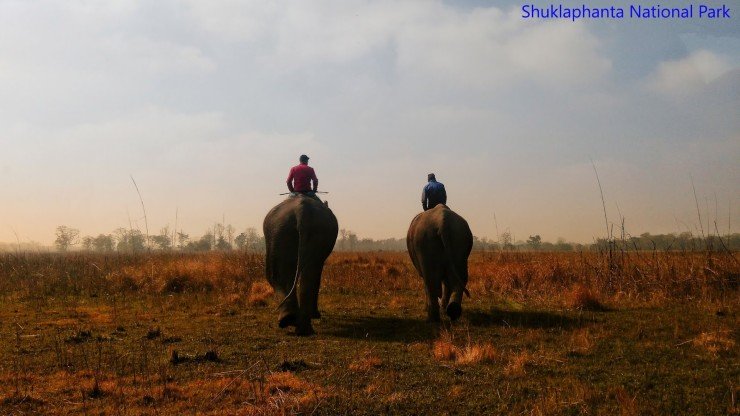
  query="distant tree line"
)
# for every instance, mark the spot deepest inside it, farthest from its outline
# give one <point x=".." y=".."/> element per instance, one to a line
<point x="348" y="241"/>
<point x="685" y="241"/>
<point x="224" y="237"/>
<point x="219" y="237"/>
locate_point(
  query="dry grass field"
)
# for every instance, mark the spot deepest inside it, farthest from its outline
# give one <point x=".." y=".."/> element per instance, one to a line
<point x="568" y="333"/>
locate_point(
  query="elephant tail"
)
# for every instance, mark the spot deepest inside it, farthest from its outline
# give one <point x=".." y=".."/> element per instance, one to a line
<point x="455" y="275"/>
<point x="302" y="247"/>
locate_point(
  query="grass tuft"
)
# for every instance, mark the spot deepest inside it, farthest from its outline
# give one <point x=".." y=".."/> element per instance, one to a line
<point x="471" y="353"/>
<point x="584" y="298"/>
<point x="516" y="366"/>
<point x="366" y="362"/>
<point x="444" y="349"/>
<point x="259" y="293"/>
<point x="581" y="342"/>
<point x="627" y="403"/>
<point x="715" y="343"/>
<point x="476" y="353"/>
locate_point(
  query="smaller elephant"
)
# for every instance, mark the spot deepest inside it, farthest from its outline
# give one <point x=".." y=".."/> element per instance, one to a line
<point x="300" y="234"/>
<point x="439" y="243"/>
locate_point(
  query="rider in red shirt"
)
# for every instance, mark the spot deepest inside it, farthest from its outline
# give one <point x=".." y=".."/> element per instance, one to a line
<point x="300" y="177"/>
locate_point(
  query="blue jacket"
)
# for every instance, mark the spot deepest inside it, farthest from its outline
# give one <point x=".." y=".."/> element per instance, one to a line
<point x="434" y="193"/>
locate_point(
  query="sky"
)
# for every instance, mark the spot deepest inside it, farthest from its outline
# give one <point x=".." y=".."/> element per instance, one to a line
<point x="208" y="105"/>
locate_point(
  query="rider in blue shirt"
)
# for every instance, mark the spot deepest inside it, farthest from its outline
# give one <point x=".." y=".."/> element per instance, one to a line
<point x="434" y="193"/>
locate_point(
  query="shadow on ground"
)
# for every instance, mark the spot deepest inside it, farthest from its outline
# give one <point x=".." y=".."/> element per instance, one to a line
<point x="381" y="328"/>
<point x="525" y="319"/>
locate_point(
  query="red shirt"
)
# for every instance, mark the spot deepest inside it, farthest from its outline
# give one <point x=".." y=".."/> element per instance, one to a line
<point x="300" y="177"/>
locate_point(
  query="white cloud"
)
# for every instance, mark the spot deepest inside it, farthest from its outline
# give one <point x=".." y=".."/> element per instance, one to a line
<point x="140" y="135"/>
<point x="686" y="76"/>
<point x="139" y="54"/>
<point x="432" y="43"/>
<point x="234" y="20"/>
<point x="80" y="53"/>
<point x="489" y="48"/>
<point x="558" y="53"/>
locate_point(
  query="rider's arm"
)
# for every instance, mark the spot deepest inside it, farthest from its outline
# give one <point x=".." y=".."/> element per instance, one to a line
<point x="424" y="198"/>
<point x="315" y="180"/>
<point x="289" y="182"/>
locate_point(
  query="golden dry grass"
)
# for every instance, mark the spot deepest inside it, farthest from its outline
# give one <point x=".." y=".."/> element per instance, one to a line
<point x="444" y="349"/>
<point x="517" y="364"/>
<point x="578" y="280"/>
<point x="476" y="354"/>
<point x="572" y="397"/>
<point x="582" y="342"/>
<point x="627" y="402"/>
<point x="584" y="298"/>
<point x="259" y="294"/>
<point x="715" y="343"/>
<point x="366" y="362"/>
<point x="84" y="339"/>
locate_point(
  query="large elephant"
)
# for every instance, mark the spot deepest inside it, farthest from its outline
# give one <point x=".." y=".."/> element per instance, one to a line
<point x="300" y="233"/>
<point x="439" y="243"/>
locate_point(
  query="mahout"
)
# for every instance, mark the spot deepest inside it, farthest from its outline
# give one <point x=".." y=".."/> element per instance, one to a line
<point x="439" y="242"/>
<point x="300" y="233"/>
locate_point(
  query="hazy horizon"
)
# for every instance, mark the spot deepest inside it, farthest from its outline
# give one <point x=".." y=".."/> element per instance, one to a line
<point x="208" y="105"/>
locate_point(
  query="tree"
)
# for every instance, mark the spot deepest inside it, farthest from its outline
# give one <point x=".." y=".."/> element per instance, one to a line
<point x="230" y="234"/>
<point x="562" y="245"/>
<point x="483" y="244"/>
<point x="87" y="242"/>
<point x="66" y="237"/>
<point x="205" y="243"/>
<point x="222" y="244"/>
<point x="218" y="232"/>
<point x="534" y="241"/>
<point x="506" y="240"/>
<point x="163" y="241"/>
<point x="130" y="240"/>
<point x="182" y="240"/>
<point x="104" y="243"/>
<point x="241" y="241"/>
<point x="253" y="239"/>
<point x="249" y="240"/>
<point x="342" y="238"/>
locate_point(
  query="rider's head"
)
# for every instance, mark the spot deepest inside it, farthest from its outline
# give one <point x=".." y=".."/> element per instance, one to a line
<point x="303" y="159"/>
<point x="430" y="177"/>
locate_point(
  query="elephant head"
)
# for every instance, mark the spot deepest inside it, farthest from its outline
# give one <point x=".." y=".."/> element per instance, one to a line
<point x="439" y="243"/>
<point x="300" y="233"/>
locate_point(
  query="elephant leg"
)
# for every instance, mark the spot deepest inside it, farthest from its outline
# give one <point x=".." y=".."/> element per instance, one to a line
<point x="315" y="314"/>
<point x="432" y="303"/>
<point x="308" y="291"/>
<point x="432" y="280"/>
<point x="282" y="282"/>
<point x="455" y="294"/>
<point x="445" y="299"/>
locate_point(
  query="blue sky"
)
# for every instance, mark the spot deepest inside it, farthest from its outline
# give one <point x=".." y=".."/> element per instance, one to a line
<point x="208" y="104"/>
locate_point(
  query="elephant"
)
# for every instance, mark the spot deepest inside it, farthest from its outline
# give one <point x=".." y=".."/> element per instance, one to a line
<point x="300" y="233"/>
<point x="439" y="243"/>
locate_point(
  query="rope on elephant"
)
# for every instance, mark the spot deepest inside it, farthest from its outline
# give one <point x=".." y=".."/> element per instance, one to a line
<point x="303" y="193"/>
